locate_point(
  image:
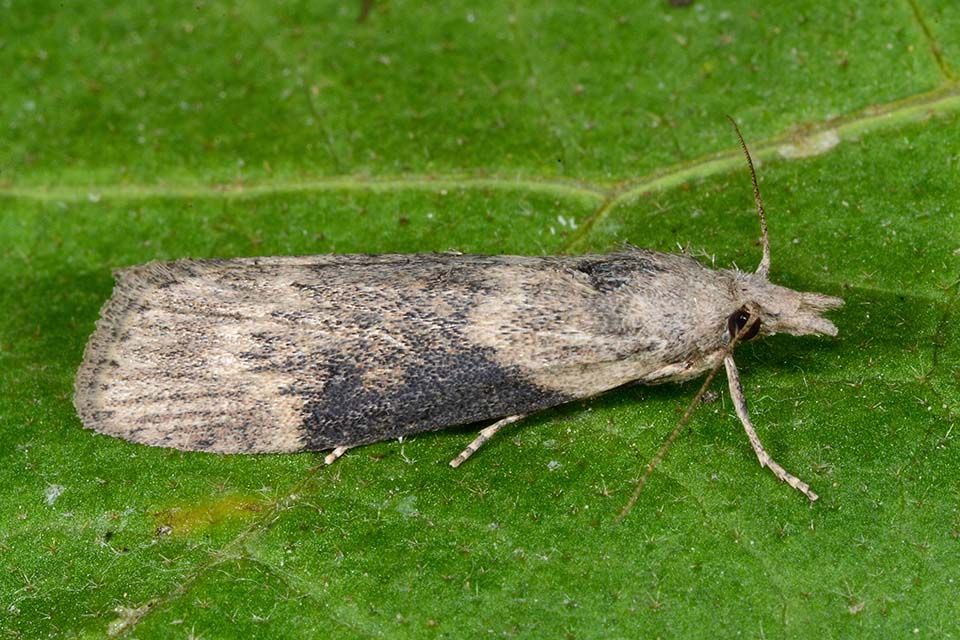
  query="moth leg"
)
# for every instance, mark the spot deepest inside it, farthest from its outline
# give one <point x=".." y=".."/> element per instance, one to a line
<point x="485" y="435"/>
<point x="740" y="404"/>
<point x="335" y="455"/>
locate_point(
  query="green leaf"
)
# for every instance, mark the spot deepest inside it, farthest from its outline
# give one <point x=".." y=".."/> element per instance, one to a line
<point x="157" y="131"/>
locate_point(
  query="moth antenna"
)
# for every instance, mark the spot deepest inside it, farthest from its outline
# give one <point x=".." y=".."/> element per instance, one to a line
<point x="764" y="268"/>
<point x="683" y="422"/>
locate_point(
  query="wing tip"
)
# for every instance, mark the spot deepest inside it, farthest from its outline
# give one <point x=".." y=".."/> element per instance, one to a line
<point x="132" y="286"/>
<point x="103" y="370"/>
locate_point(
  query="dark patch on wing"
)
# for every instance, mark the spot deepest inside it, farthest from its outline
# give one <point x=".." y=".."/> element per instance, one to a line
<point x="438" y="390"/>
<point x="609" y="274"/>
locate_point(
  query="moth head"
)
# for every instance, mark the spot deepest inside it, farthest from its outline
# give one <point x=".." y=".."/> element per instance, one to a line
<point x="766" y="308"/>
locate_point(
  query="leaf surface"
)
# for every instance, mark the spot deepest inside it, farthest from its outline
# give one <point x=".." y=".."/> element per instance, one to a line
<point x="143" y="132"/>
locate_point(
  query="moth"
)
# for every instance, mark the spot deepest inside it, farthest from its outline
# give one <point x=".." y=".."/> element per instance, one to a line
<point x="329" y="352"/>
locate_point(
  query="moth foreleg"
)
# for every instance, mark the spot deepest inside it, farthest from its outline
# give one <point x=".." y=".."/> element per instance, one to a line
<point x="740" y="404"/>
<point x="335" y="455"/>
<point x="485" y="434"/>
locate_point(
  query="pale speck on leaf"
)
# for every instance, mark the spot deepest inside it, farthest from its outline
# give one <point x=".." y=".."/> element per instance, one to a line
<point x="53" y="492"/>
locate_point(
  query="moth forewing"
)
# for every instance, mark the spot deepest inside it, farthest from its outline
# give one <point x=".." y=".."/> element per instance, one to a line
<point x="311" y="353"/>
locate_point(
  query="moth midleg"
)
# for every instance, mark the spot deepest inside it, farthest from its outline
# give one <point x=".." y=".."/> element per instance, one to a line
<point x="335" y="455"/>
<point x="485" y="434"/>
<point x="740" y="404"/>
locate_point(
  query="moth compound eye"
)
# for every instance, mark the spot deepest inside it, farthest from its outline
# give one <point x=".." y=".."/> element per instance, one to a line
<point x="738" y="320"/>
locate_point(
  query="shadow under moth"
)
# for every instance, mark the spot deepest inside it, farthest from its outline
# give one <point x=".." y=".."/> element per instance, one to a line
<point x="328" y="352"/>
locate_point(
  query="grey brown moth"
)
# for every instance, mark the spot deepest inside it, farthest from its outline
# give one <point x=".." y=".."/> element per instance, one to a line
<point x="284" y="354"/>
